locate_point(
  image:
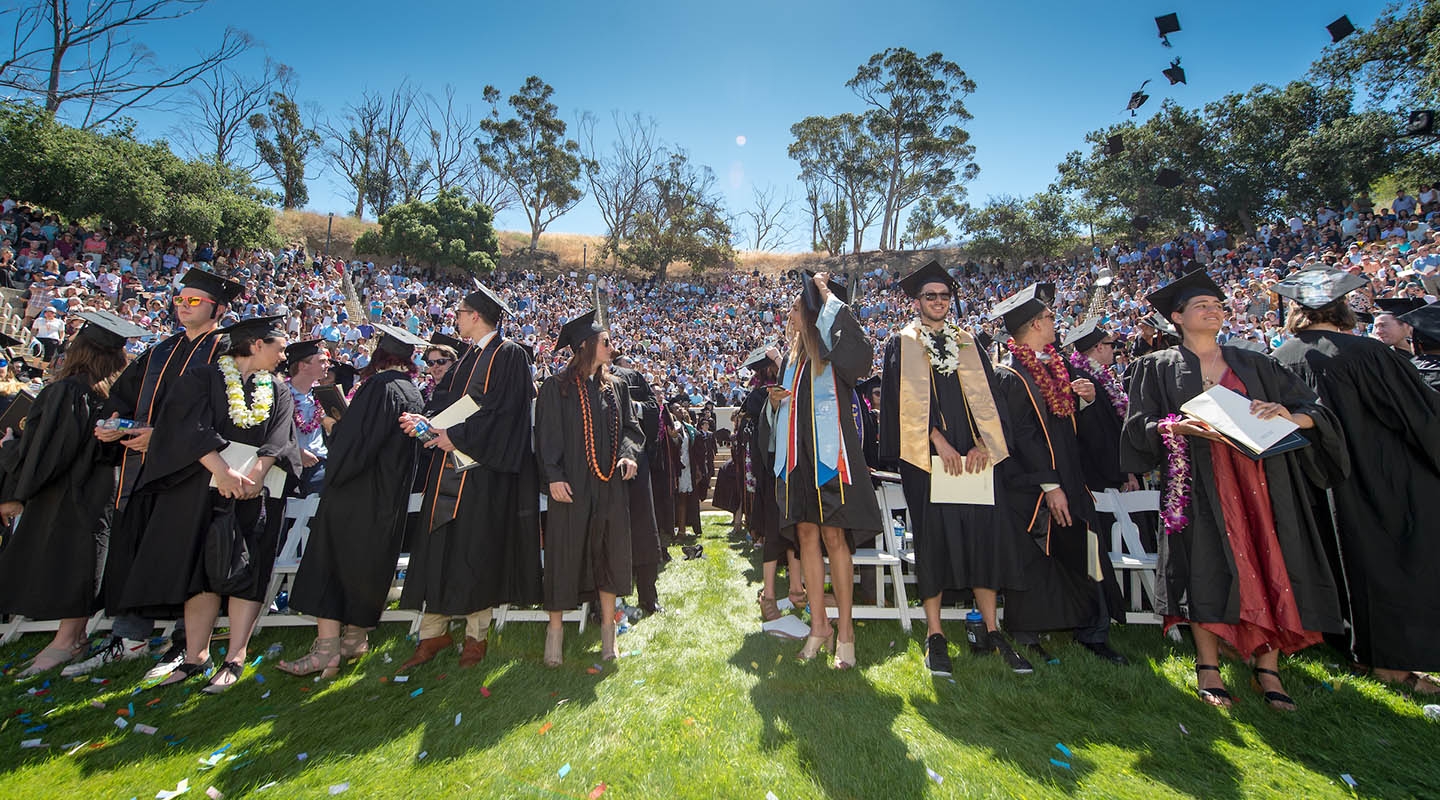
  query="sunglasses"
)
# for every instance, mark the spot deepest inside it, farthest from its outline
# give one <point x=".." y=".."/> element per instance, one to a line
<point x="932" y="296"/>
<point x="435" y="362"/>
<point x="192" y="301"/>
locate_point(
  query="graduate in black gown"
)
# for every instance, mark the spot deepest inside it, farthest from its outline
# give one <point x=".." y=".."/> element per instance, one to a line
<point x="1388" y="554"/>
<point x="139" y="394"/>
<point x="937" y="401"/>
<point x="588" y="440"/>
<point x="1420" y="348"/>
<point x="355" y="535"/>
<point x="1098" y="424"/>
<point x="1069" y="581"/>
<point x="1242" y="558"/>
<point x="762" y="516"/>
<point x="63" y="480"/>
<point x="822" y="483"/>
<point x="644" y="531"/>
<point x="237" y="402"/>
<point x="479" y="542"/>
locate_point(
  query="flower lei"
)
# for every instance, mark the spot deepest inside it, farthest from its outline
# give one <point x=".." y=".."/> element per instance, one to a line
<point x="943" y="347"/>
<point x="308" y="426"/>
<point x="242" y="416"/>
<point x="1051" y="376"/>
<point x="1107" y="376"/>
<point x="587" y="418"/>
<point x="1177" y="475"/>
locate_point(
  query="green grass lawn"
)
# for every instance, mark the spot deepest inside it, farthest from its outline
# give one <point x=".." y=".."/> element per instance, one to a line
<point x="709" y="707"/>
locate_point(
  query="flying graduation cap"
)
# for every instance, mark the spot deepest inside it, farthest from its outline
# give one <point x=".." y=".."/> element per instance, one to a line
<point x="1340" y="28"/>
<point x="1168" y="178"/>
<point x="1138" y="98"/>
<point x="1114" y="145"/>
<point x="1174" y="73"/>
<point x="1421" y="123"/>
<point x="1167" y="24"/>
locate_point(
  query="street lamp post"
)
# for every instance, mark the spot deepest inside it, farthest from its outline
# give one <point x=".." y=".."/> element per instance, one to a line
<point x="328" y="225"/>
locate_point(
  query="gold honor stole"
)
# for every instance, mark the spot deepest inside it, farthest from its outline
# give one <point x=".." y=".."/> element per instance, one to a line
<point x="915" y="398"/>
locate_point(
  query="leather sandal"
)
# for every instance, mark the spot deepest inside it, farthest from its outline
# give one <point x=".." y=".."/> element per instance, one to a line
<point x="1218" y="697"/>
<point x="354" y="642"/>
<point x="768" y="610"/>
<point x="185" y="672"/>
<point x="232" y="668"/>
<point x="554" y="646"/>
<point x="844" y="655"/>
<point x="53" y="657"/>
<point x="324" y="658"/>
<point x="814" y="645"/>
<point x="1276" y="700"/>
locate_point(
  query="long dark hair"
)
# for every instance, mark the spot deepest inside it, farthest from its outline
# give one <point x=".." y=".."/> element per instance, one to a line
<point x="581" y="366"/>
<point x="241" y="344"/>
<point x="1337" y="313"/>
<point x="97" y="364"/>
<point x="805" y="343"/>
<point x="384" y="359"/>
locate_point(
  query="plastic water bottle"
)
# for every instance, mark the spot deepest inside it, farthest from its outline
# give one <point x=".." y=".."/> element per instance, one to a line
<point x="273" y="650"/>
<point x="423" y="432"/>
<point x="282" y="602"/>
<point x="975" y="632"/>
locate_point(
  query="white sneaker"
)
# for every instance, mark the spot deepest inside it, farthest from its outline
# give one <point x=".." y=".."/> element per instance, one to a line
<point x="172" y="658"/>
<point x="114" y="649"/>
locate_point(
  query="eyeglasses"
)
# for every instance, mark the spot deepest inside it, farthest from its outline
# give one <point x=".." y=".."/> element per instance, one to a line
<point x="1108" y="343"/>
<point x="192" y="301"/>
<point x="435" y="362"/>
<point x="932" y="296"/>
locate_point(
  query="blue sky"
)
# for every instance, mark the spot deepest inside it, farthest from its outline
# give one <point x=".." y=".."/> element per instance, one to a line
<point x="1047" y="72"/>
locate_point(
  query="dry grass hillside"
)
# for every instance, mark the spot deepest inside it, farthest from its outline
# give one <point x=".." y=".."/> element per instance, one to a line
<point x="567" y="251"/>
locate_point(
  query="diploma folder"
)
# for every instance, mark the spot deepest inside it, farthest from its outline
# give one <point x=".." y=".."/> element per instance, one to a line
<point x="15" y="415"/>
<point x="242" y="457"/>
<point x="1228" y="412"/>
<point x="458" y="412"/>
<point x="967" y="488"/>
<point x="332" y="400"/>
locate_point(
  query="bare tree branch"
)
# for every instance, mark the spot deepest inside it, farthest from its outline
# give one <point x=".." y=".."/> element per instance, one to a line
<point x="486" y="186"/>
<point x="446" y="138"/>
<point x="220" y="105"/>
<point x="620" y="173"/>
<point x="768" y="223"/>
<point x="350" y="148"/>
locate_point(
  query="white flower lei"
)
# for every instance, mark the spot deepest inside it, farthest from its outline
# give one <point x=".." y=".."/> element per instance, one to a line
<point x="235" y="395"/>
<point x="948" y="338"/>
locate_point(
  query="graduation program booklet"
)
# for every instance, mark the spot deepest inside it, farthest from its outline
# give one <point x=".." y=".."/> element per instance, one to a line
<point x="242" y="457"/>
<point x="458" y="412"/>
<point x="332" y="400"/>
<point x="967" y="488"/>
<point x="1228" y="412"/>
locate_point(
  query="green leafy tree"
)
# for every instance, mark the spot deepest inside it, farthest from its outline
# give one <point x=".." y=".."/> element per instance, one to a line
<point x="926" y="224"/>
<point x="839" y="154"/>
<point x="531" y="154"/>
<point x="284" y="140"/>
<point x="448" y="231"/>
<point x="681" y="218"/>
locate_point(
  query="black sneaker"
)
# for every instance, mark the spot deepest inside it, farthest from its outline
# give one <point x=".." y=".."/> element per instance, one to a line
<point x="1039" y="653"/>
<point x="937" y="655"/>
<point x="1105" y="651"/>
<point x="171" y="659"/>
<point x="1016" y="662"/>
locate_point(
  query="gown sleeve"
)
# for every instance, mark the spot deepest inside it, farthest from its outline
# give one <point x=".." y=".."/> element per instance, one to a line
<point x="1141" y="448"/>
<point x="549" y="433"/>
<point x="889" y="434"/>
<point x="632" y="436"/>
<point x="361" y="435"/>
<point x="125" y="391"/>
<point x="500" y="408"/>
<point x="1402" y="401"/>
<point x="849" y="351"/>
<point x="1028" y="446"/>
<point x="55" y="432"/>
<point x="1327" y="461"/>
<point x="185" y="428"/>
<point x="280" y="442"/>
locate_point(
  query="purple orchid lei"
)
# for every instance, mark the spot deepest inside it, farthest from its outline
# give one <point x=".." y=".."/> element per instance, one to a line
<point x="1177" y="476"/>
<point x="1107" y="376"/>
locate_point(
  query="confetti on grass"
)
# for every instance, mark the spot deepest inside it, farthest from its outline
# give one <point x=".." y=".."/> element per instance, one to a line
<point x="563" y="771"/>
<point x="1059" y="763"/>
<point x="1062" y="748"/>
<point x="544" y="729"/>
<point x="934" y="776"/>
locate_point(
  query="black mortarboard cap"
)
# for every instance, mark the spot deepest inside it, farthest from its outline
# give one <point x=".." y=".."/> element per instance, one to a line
<point x="261" y="327"/>
<point x="344" y="375"/>
<point x="1399" y="305"/>
<point x="930" y="273"/>
<point x="1426" y="322"/>
<point x="485" y="299"/>
<point x="1114" y="145"/>
<point x="6" y="340"/>
<point x="1160" y="324"/>
<point x="1168" y="178"/>
<point x="1137" y="98"/>
<point x="107" y="329"/>
<point x="449" y="341"/>
<point x="398" y="340"/>
<point x="219" y="289"/>
<point x="529" y="350"/>
<point x="1141" y="222"/>
<point x="299" y="351"/>
<point x="1364" y="316"/>
<point x="1421" y="123"/>
<point x="1085" y="335"/>
<point x="984" y="340"/>
<point x="1173" y="294"/>
<point x="1316" y="288"/>
<point x="1021" y="307"/>
<point x="758" y="355"/>
<point x="576" y="331"/>
<point x="1174" y="73"/>
<point x="812" y="292"/>
<point x="870" y="384"/>
<point x="32" y="371"/>
<point x="1167" y="24"/>
<point x="1340" y="28"/>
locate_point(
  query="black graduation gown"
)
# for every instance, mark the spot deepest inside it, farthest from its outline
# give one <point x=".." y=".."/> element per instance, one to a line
<point x="956" y="546"/>
<point x="663" y="457"/>
<point x="355" y="535"/>
<point x="1389" y="551"/>
<point x="1098" y="427"/>
<point x="1429" y="367"/>
<point x="644" y="531"/>
<point x="1059" y="593"/>
<point x="141" y="389"/>
<point x="65" y="478"/>
<point x="1196" y="566"/>
<point x="587" y="542"/>
<point x="764" y="516"/>
<point x="478" y="545"/>
<point x="156" y="556"/>
<point x="852" y="507"/>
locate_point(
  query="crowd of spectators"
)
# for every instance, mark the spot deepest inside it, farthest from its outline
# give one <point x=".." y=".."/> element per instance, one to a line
<point x="689" y="335"/>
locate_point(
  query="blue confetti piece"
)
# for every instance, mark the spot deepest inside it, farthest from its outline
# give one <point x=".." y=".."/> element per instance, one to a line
<point x="221" y="750"/>
<point x="36" y="729"/>
<point x="177" y="741"/>
<point x="1062" y="748"/>
<point x="222" y="651"/>
<point x="45" y="685"/>
<point x="1059" y="763"/>
<point x="259" y="678"/>
<point x="257" y="661"/>
<point x="131" y="708"/>
<point x="417" y="692"/>
<point x="563" y="771"/>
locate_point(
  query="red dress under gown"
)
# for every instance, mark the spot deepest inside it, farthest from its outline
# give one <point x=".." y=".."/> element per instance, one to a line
<point x="1269" y="617"/>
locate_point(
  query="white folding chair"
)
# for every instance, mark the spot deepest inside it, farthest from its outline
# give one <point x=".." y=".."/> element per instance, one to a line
<point x="1127" y="553"/>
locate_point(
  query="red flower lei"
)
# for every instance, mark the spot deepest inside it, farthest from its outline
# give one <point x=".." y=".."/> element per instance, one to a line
<point x="1050" y="375"/>
<point x="316" y="413"/>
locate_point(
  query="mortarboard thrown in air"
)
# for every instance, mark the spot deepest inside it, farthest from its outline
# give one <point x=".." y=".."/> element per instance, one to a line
<point x="1137" y="98"/>
<point x="299" y="351"/>
<point x="812" y="292"/>
<point x="1316" y="288"/>
<point x="107" y="329"/>
<point x="1174" y="73"/>
<point x="398" y="341"/>
<point x="1114" y="145"/>
<point x="576" y="331"/>
<point x="219" y="289"/>
<point x="449" y="341"/>
<point x="1167" y="24"/>
<point x="1167" y="299"/>
<point x="930" y="273"/>
<point x="484" y="300"/>
<point x="1022" y="306"/>
<point x="1085" y="335"/>
<point x="1168" y="178"/>
<point x="1340" y="28"/>
<point x="259" y="327"/>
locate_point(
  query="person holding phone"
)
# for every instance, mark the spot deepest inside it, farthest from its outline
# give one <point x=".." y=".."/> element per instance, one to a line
<point x="1242" y="558"/>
